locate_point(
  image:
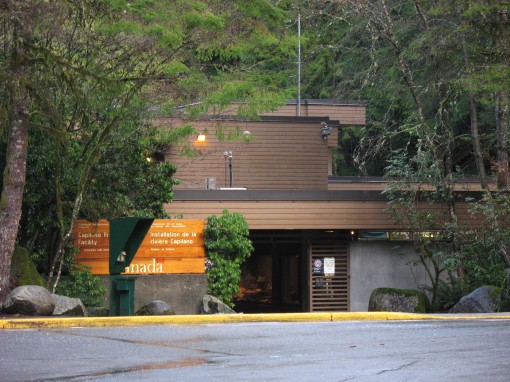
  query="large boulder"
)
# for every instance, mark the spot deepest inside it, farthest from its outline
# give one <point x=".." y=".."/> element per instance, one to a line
<point x="29" y="300"/>
<point x="398" y="300"/>
<point x="213" y="305"/>
<point x="98" y="311"/>
<point x="68" y="306"/>
<point x="155" y="308"/>
<point x="482" y="300"/>
<point x="504" y="305"/>
<point x="23" y="270"/>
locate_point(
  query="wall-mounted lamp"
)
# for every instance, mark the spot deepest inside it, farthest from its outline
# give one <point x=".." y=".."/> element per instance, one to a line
<point x="325" y="131"/>
<point x="201" y="137"/>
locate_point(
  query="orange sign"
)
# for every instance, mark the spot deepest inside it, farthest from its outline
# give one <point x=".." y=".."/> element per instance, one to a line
<point x="170" y="246"/>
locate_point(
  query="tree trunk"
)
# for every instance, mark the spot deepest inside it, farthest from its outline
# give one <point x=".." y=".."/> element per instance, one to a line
<point x="502" y="171"/>
<point x="14" y="175"/>
<point x="473" y="112"/>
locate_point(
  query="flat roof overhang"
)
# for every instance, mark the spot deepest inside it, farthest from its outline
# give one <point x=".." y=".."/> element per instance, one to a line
<point x="294" y="195"/>
<point x="297" y="209"/>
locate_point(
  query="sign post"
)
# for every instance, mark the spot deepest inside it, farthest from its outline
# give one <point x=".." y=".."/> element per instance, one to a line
<point x="126" y="235"/>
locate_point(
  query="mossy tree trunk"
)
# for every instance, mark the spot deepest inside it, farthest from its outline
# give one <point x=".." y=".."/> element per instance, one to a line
<point x="15" y="169"/>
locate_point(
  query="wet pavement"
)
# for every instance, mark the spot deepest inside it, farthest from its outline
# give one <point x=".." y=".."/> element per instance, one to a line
<point x="417" y="350"/>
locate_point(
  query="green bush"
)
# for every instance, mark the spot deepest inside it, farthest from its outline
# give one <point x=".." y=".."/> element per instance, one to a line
<point x="83" y="285"/>
<point x="228" y="246"/>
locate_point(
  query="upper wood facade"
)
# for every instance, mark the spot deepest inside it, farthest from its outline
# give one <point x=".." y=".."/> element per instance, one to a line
<point x="275" y="155"/>
<point x="279" y="151"/>
<point x="285" y="165"/>
<point x="347" y="113"/>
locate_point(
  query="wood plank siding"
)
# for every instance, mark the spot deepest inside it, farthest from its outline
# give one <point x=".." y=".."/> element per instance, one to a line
<point x="285" y="167"/>
<point x="303" y="214"/>
<point x="277" y="155"/>
<point x="347" y="113"/>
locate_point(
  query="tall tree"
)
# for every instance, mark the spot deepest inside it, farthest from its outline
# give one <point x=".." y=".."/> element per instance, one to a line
<point x="79" y="66"/>
<point x="434" y="73"/>
<point x="16" y="74"/>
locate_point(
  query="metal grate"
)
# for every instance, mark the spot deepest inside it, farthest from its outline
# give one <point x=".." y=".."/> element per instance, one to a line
<point x="329" y="292"/>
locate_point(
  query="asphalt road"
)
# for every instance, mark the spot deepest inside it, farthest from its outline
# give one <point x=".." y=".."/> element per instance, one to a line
<point x="472" y="350"/>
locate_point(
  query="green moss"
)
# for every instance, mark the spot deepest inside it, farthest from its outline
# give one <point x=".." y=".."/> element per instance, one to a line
<point x="504" y="303"/>
<point x="402" y="292"/>
<point x="23" y="270"/>
<point x="495" y="292"/>
<point x="423" y="305"/>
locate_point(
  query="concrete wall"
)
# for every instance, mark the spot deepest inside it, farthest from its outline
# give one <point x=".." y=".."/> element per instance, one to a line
<point x="379" y="264"/>
<point x="183" y="292"/>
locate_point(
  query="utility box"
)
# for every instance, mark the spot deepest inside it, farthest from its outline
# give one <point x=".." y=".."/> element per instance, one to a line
<point x="126" y="235"/>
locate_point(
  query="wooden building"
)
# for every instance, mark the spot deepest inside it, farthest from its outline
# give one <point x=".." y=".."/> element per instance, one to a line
<point x="304" y="222"/>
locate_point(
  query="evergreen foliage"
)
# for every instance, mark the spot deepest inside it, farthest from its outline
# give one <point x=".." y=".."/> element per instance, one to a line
<point x="228" y="246"/>
<point x="83" y="75"/>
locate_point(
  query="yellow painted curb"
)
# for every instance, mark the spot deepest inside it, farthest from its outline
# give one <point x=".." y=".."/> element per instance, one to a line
<point x="397" y="316"/>
<point x="61" y="322"/>
<point x="53" y="322"/>
<point x="457" y="317"/>
<point x="375" y="316"/>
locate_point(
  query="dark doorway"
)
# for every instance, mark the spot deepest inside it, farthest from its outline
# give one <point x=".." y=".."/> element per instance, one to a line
<point x="272" y="278"/>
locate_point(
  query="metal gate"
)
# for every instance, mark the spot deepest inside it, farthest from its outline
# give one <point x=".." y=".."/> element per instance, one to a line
<point x="329" y="275"/>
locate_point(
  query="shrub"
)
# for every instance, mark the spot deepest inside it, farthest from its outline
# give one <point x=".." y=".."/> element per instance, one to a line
<point x="83" y="285"/>
<point x="228" y="246"/>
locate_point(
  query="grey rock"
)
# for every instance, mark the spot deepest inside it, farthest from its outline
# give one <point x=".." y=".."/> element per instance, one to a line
<point x="98" y="311"/>
<point x="155" y="308"/>
<point x="398" y="300"/>
<point x="505" y="294"/>
<point x="482" y="300"/>
<point x="213" y="305"/>
<point x="30" y="300"/>
<point x="68" y="306"/>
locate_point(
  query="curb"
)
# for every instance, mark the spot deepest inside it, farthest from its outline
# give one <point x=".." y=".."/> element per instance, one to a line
<point x="61" y="322"/>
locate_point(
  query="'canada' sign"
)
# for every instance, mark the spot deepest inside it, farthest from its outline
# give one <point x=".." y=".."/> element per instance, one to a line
<point x="170" y="246"/>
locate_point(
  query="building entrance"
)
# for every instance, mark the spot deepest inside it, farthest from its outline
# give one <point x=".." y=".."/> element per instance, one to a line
<point x="272" y="278"/>
<point x="295" y="271"/>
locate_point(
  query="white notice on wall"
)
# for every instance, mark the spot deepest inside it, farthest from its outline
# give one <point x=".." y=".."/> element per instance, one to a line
<point x="329" y="266"/>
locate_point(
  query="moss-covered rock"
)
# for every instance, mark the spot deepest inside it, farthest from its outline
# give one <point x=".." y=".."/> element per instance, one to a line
<point x="398" y="300"/>
<point x="485" y="299"/>
<point x="98" y="311"/>
<point x="504" y="303"/>
<point x="23" y="270"/>
<point x="155" y="308"/>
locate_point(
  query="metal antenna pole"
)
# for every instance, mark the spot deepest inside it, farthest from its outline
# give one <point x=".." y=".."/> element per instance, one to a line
<point x="230" y="168"/>
<point x="299" y="67"/>
<point x="225" y="170"/>
<point x="228" y="156"/>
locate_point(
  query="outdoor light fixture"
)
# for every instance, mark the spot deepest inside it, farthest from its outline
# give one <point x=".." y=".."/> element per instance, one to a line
<point x="325" y="131"/>
<point x="201" y="137"/>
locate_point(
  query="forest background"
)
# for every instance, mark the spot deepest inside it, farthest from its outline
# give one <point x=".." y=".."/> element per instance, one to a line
<point x="80" y="81"/>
